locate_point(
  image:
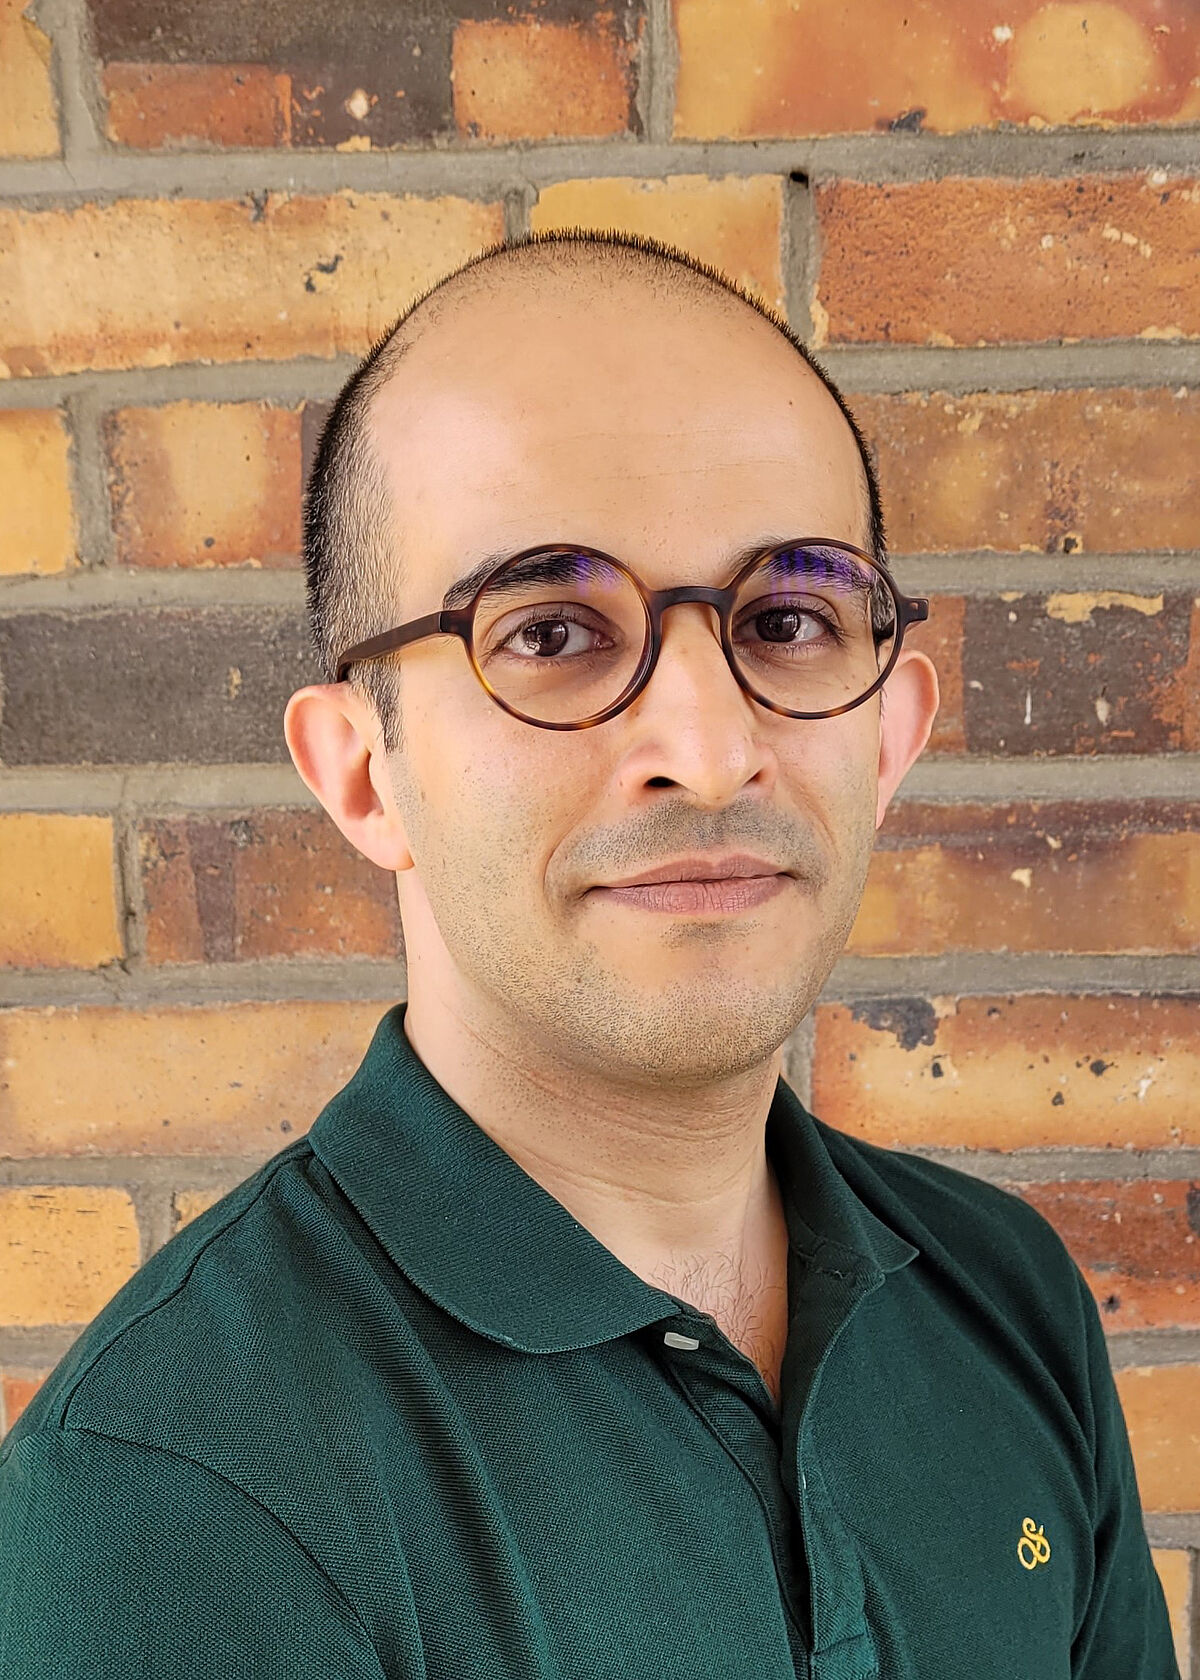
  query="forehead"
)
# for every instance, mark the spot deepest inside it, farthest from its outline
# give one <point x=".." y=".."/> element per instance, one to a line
<point x="666" y="431"/>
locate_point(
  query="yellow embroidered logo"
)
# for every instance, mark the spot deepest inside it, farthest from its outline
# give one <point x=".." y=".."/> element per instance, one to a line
<point x="1033" y="1547"/>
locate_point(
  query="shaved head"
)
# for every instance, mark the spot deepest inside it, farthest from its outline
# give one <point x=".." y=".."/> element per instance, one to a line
<point x="354" y="536"/>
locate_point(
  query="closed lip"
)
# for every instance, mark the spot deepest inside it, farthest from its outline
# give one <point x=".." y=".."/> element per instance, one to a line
<point x="702" y="869"/>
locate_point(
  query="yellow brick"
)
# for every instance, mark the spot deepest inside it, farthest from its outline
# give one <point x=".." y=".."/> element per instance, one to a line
<point x="36" y="525"/>
<point x="58" y="905"/>
<point x="190" y="1203"/>
<point x="734" y="223"/>
<point x="238" y="1079"/>
<point x="66" y="1251"/>
<point x="1162" y="1409"/>
<point x="1174" y="1571"/>
<point x="153" y="282"/>
<point x="28" y="123"/>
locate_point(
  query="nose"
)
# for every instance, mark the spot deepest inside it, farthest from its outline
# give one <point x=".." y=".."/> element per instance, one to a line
<point x="697" y="722"/>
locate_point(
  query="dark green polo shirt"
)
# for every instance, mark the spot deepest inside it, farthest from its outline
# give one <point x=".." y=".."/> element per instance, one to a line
<point x="388" y="1409"/>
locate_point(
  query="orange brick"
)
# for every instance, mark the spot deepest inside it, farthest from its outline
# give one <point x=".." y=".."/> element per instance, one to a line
<point x="189" y="1203"/>
<point x="230" y="1079"/>
<point x="1018" y="1072"/>
<point x="1162" y="1409"/>
<point x="1053" y="471"/>
<point x="28" y="119"/>
<point x="58" y="906"/>
<point x="1028" y="877"/>
<point x="529" y="80"/>
<point x="182" y="280"/>
<point x="67" y="1249"/>
<point x="266" y="884"/>
<point x="1136" y="1242"/>
<point x="17" y="1389"/>
<point x="206" y="484"/>
<point x="171" y="105"/>
<point x="1174" y="1571"/>
<point x="974" y="261"/>
<point x="37" y="525"/>
<point x="802" y="67"/>
<point x="734" y="222"/>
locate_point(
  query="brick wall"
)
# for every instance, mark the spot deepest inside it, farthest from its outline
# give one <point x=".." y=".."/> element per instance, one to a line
<point x="988" y="230"/>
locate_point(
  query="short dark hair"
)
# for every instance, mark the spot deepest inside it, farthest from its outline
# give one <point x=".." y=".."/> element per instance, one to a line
<point x="350" y="555"/>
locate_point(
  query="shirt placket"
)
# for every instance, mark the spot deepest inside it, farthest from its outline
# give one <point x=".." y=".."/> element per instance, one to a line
<point x="820" y="1577"/>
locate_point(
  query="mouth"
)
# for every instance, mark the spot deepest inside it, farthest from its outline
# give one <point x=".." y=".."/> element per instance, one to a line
<point x="728" y="895"/>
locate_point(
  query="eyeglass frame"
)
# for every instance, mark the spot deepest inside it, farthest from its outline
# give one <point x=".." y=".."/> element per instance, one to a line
<point x="460" y="622"/>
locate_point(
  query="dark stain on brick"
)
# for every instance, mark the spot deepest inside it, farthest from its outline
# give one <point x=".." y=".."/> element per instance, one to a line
<point x="1026" y="662"/>
<point x="1111" y="1303"/>
<point x="1099" y="1066"/>
<point x="909" y="122"/>
<point x="1193" y="1207"/>
<point x="173" y="685"/>
<point x="911" y="1019"/>
<point x="1057" y="1100"/>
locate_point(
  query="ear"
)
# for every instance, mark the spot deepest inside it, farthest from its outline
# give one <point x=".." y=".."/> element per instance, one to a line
<point x="334" y="739"/>
<point x="906" y="718"/>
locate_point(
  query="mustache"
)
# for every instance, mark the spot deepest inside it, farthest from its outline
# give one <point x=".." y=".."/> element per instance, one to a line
<point x="611" y="854"/>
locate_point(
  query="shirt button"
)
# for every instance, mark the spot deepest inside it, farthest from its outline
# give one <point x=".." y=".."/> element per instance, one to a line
<point x="675" y="1340"/>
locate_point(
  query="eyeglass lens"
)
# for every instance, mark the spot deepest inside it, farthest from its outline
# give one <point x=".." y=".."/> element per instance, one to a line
<point x="560" y="636"/>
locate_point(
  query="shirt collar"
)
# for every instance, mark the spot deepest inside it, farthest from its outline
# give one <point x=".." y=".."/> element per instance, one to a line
<point x="488" y="1244"/>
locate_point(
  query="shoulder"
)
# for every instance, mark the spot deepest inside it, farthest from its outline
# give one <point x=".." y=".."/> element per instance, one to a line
<point x="170" y="1353"/>
<point x="970" y="1232"/>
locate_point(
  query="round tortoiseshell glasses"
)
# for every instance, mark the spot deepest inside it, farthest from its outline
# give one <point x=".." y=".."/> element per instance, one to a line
<point x="564" y="636"/>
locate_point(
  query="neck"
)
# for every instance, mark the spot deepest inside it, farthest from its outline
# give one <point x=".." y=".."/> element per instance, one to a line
<point x="676" y="1184"/>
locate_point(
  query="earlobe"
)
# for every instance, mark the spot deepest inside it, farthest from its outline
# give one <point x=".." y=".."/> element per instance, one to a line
<point x="905" y="722"/>
<point x="332" y="739"/>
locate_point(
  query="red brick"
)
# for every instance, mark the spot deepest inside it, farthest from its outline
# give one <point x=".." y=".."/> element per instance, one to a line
<point x="1028" y="876"/>
<point x="1055" y="471"/>
<point x="28" y="119"/>
<point x="223" y="1079"/>
<point x="371" y="75"/>
<point x="982" y="261"/>
<point x="176" y="105"/>
<point x="1028" y="1071"/>
<point x="17" y="1389"/>
<point x="206" y="484"/>
<point x="148" y="282"/>
<point x="531" y="80"/>
<point x="1137" y="1244"/>
<point x="804" y="67"/>
<point x="266" y="884"/>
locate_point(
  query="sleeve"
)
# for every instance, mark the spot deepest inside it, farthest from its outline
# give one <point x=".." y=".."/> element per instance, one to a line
<point x="1126" y="1630"/>
<point x="122" y="1559"/>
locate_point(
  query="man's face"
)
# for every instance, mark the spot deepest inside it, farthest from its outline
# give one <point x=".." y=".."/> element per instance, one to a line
<point x="670" y="436"/>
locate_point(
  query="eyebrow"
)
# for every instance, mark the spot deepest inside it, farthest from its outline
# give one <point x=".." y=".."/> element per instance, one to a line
<point x="463" y="589"/>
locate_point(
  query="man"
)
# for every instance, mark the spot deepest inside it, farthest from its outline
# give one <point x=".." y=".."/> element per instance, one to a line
<point x="567" y="1343"/>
